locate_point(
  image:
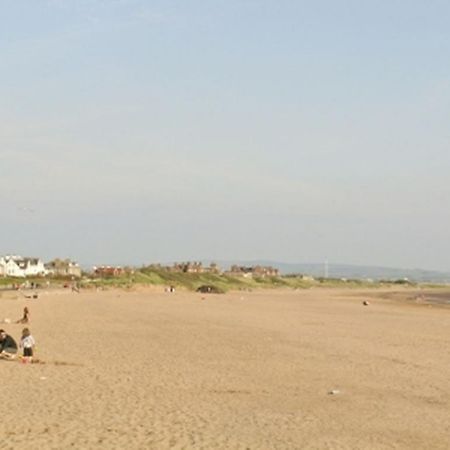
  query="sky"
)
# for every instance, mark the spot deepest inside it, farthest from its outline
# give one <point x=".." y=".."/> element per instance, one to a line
<point x="139" y="131"/>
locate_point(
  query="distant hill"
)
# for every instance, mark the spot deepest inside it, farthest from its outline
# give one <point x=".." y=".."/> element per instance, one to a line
<point x="348" y="271"/>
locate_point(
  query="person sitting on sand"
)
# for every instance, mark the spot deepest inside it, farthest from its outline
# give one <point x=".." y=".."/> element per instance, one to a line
<point x="27" y="342"/>
<point x="8" y="346"/>
<point x="24" y="319"/>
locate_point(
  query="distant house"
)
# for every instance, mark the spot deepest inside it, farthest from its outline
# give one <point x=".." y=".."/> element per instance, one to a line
<point x="213" y="268"/>
<point x="108" y="271"/>
<point x="188" y="267"/>
<point x="18" y="266"/>
<point x="9" y="268"/>
<point x="243" y="271"/>
<point x="253" y="271"/>
<point x="307" y="278"/>
<point x="64" y="268"/>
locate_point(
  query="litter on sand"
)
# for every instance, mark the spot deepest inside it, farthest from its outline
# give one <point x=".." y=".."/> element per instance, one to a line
<point x="334" y="392"/>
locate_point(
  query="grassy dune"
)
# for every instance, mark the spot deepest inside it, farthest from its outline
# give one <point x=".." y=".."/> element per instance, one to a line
<point x="223" y="282"/>
<point x="191" y="281"/>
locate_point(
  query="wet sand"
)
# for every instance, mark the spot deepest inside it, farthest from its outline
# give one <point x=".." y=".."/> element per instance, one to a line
<point x="147" y="369"/>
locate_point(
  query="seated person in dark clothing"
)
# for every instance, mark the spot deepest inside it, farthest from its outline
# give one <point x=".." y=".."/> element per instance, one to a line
<point x="8" y="346"/>
<point x="24" y="319"/>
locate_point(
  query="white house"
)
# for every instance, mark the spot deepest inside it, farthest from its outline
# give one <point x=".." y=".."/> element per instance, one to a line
<point x="16" y="266"/>
<point x="9" y="268"/>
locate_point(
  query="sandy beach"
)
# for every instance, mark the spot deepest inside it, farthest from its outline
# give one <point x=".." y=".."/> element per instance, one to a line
<point x="146" y="369"/>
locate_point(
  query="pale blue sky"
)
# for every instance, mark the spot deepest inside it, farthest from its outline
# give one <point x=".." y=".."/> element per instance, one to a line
<point x="134" y="131"/>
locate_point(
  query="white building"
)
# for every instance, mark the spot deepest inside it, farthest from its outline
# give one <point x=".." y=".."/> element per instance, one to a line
<point x="9" y="267"/>
<point x="16" y="266"/>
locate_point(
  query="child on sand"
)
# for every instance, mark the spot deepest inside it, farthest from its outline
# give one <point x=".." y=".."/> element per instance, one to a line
<point x="24" y="319"/>
<point x="27" y="342"/>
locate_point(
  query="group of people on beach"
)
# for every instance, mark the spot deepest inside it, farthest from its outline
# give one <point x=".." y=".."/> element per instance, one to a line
<point x="8" y="346"/>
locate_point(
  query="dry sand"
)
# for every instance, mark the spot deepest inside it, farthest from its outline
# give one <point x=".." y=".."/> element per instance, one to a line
<point x="146" y="369"/>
